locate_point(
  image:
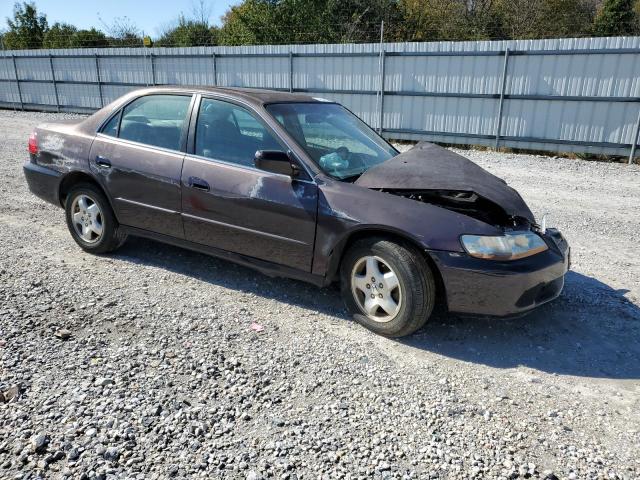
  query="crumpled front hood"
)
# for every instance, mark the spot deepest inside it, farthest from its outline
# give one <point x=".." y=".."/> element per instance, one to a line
<point x="430" y="167"/>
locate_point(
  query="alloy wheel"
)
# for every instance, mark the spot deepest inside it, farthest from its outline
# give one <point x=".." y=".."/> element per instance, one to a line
<point x="87" y="218"/>
<point x="376" y="289"/>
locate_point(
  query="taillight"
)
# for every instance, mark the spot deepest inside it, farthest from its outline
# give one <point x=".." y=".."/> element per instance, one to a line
<point x="33" y="143"/>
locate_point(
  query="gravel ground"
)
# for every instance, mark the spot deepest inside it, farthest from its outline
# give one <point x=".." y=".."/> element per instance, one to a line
<point x="162" y="374"/>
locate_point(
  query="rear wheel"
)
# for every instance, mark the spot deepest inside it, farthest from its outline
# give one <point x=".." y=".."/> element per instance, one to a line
<point x="91" y="221"/>
<point x="387" y="286"/>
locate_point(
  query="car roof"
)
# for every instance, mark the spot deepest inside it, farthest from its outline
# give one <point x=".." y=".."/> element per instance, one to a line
<point x="252" y="95"/>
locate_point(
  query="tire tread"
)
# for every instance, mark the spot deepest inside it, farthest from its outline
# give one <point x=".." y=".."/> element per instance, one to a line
<point x="418" y="276"/>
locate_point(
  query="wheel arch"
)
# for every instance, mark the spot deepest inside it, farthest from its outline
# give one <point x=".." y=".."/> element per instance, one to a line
<point x="74" y="178"/>
<point x="388" y="234"/>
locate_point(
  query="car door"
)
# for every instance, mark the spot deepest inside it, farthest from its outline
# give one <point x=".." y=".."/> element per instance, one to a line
<point x="139" y="155"/>
<point x="229" y="204"/>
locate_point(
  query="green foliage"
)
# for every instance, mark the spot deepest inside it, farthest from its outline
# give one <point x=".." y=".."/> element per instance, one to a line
<point x="27" y="27"/>
<point x="59" y="36"/>
<point x="544" y="18"/>
<point x="306" y="21"/>
<point x="122" y="32"/>
<point x="188" y="33"/>
<point x="89" y="38"/>
<point x="616" y="17"/>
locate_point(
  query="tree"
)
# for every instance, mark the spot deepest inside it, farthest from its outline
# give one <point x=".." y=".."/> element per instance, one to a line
<point x="27" y="27"/>
<point x="250" y="23"/>
<point x="529" y="19"/>
<point x="188" y="33"/>
<point x="449" y="20"/>
<point x="89" y="38"/>
<point x="122" y="32"/>
<point x="59" y="36"/>
<point x="616" y="17"/>
<point x="306" y="21"/>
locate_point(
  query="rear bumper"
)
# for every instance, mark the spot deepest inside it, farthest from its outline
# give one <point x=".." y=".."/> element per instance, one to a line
<point x="43" y="182"/>
<point x="486" y="287"/>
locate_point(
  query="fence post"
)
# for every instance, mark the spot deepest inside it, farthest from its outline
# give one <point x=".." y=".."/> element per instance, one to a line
<point x="15" y="71"/>
<point x="99" y="80"/>
<point x="381" y="60"/>
<point x="503" y="86"/>
<point x="381" y="111"/>
<point x="290" y="71"/>
<point x="632" y="155"/>
<point x="4" y="57"/>
<point x="215" y="69"/>
<point x="55" y="85"/>
<point x="153" y="69"/>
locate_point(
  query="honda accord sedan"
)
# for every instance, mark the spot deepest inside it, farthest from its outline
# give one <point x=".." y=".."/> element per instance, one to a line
<point x="299" y="187"/>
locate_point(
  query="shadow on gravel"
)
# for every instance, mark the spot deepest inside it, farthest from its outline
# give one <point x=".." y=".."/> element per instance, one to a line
<point x="590" y="331"/>
<point x="229" y="275"/>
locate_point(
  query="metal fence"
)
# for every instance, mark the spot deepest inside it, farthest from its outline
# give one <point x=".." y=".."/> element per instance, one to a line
<point x="564" y="95"/>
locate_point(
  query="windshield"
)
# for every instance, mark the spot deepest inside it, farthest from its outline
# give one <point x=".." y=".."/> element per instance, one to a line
<point x="340" y="143"/>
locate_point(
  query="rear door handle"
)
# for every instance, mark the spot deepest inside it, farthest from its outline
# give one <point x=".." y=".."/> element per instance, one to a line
<point x="103" y="162"/>
<point x="200" y="184"/>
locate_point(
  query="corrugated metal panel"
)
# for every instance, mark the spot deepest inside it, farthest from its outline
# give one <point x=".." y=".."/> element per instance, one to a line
<point x="86" y="96"/>
<point x="126" y="69"/>
<point x="38" y="93"/>
<point x="184" y="71"/>
<point x="258" y="72"/>
<point x="75" y="69"/>
<point x="449" y="93"/>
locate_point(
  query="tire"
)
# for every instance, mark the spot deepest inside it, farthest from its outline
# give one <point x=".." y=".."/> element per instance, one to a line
<point x="100" y="218"/>
<point x="414" y="294"/>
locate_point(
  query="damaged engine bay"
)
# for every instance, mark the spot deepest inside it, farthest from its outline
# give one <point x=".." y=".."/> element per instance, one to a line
<point x="467" y="203"/>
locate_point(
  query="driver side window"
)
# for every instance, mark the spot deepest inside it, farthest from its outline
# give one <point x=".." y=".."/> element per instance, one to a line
<point x="227" y="132"/>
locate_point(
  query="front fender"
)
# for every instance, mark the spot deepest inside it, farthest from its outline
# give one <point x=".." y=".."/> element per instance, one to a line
<point x="345" y="210"/>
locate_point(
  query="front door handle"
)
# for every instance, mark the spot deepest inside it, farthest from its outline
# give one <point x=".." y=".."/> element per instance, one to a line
<point x="200" y="184"/>
<point x="103" y="162"/>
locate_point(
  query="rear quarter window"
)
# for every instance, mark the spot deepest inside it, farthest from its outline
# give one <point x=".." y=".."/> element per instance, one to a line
<point x="111" y="128"/>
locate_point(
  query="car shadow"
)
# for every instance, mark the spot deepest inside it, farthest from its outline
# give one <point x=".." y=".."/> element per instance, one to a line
<point x="592" y="330"/>
<point x="230" y="275"/>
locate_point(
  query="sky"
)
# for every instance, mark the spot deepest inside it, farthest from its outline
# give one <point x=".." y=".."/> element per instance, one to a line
<point x="148" y="15"/>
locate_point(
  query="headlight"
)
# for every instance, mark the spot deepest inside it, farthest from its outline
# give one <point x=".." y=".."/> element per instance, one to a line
<point x="509" y="246"/>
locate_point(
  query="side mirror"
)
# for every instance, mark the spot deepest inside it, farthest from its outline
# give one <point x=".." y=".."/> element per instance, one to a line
<point x="275" y="161"/>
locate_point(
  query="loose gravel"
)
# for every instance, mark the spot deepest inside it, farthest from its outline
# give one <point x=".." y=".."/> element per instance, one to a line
<point x="157" y="362"/>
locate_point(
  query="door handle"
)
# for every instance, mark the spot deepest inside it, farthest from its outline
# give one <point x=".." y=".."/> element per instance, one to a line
<point x="103" y="162"/>
<point x="200" y="184"/>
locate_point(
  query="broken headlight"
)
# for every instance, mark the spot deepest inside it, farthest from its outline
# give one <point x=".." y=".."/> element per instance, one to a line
<point x="509" y="246"/>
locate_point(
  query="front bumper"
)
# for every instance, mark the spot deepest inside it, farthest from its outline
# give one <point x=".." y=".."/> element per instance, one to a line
<point x="487" y="287"/>
<point x="43" y="182"/>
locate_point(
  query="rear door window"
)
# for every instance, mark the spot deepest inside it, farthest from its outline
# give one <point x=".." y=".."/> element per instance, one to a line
<point x="225" y="131"/>
<point x="156" y="120"/>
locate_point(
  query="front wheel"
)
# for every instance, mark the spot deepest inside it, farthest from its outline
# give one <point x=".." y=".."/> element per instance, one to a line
<point x="387" y="286"/>
<point x="91" y="221"/>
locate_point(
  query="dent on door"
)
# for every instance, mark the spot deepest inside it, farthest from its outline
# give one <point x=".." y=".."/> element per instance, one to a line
<point x="247" y="211"/>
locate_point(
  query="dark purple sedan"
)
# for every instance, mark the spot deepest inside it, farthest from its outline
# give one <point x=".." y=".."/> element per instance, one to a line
<point x="299" y="187"/>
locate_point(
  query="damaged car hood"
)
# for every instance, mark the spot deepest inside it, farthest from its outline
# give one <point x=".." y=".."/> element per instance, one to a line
<point x="430" y="167"/>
